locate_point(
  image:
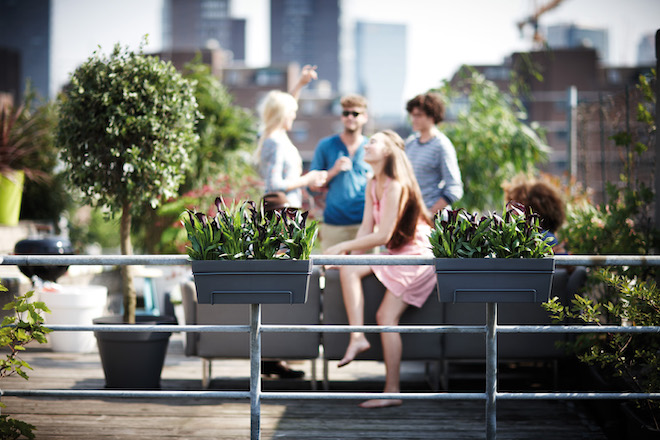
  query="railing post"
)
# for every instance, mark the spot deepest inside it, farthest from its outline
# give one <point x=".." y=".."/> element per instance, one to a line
<point x="491" y="371"/>
<point x="571" y="114"/>
<point x="255" y="371"/>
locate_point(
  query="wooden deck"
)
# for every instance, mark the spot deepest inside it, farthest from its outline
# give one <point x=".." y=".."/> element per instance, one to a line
<point x="166" y="418"/>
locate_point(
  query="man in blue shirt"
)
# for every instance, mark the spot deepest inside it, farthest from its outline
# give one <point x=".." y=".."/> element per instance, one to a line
<point x="342" y="155"/>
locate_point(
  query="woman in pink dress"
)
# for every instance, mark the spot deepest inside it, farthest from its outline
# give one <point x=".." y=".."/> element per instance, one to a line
<point x="394" y="217"/>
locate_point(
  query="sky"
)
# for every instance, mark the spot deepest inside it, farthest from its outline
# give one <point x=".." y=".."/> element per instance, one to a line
<point x="442" y="34"/>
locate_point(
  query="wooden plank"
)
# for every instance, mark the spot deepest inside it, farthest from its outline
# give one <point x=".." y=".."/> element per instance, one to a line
<point x="187" y="418"/>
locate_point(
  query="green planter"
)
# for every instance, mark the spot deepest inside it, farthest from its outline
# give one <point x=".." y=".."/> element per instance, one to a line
<point x="11" y="193"/>
<point x="252" y="281"/>
<point x="494" y="280"/>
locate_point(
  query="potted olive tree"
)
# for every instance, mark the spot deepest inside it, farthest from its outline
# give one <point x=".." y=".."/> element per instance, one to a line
<point x="243" y="255"/>
<point x="126" y="128"/>
<point x="492" y="258"/>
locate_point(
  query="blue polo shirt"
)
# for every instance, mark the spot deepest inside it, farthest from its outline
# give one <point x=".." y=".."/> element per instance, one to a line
<point x="344" y="202"/>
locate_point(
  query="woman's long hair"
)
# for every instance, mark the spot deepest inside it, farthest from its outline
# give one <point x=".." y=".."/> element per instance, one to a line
<point x="272" y="112"/>
<point x="398" y="167"/>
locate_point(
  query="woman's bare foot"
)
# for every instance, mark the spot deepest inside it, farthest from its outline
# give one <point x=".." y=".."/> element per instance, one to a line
<point x="380" y="403"/>
<point x="355" y="347"/>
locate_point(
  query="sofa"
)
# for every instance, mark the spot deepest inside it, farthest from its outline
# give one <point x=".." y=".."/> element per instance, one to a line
<point x="325" y="305"/>
<point x="219" y="345"/>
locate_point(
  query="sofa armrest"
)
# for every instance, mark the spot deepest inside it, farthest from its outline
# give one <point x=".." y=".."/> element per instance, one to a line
<point x="189" y="301"/>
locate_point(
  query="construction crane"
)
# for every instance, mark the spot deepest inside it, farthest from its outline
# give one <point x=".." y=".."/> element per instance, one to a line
<point x="538" y="40"/>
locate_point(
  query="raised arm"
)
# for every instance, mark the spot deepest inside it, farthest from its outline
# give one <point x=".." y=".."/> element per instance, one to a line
<point x="306" y="76"/>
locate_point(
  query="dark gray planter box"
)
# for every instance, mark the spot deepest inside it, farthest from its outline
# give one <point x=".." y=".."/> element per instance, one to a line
<point x="252" y="281"/>
<point x="494" y="280"/>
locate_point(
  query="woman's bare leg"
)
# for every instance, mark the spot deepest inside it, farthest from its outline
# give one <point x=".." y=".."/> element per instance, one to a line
<point x="389" y="313"/>
<point x="351" y="287"/>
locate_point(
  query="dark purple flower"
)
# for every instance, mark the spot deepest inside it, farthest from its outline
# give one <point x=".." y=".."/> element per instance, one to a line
<point x="201" y="218"/>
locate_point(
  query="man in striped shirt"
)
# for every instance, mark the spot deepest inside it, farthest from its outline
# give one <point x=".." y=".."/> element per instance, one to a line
<point x="432" y="154"/>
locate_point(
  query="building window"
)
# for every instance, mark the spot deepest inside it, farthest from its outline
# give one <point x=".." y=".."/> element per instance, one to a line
<point x="300" y="132"/>
<point x="267" y="77"/>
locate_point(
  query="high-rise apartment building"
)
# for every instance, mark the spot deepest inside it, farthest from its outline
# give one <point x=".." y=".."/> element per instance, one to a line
<point x="646" y="50"/>
<point x="306" y="32"/>
<point x="571" y="36"/>
<point x="380" y="67"/>
<point x="197" y="24"/>
<point x="25" y="33"/>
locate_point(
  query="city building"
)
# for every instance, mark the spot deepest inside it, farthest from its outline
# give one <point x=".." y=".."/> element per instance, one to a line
<point x="25" y="41"/>
<point x="646" y="50"/>
<point x="380" y="60"/>
<point x="196" y="24"/>
<point x="569" y="36"/>
<point x="318" y="109"/>
<point x="306" y="32"/>
<point x="605" y="98"/>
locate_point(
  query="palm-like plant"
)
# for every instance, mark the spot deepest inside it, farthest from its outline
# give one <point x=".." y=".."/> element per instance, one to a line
<point x="21" y="140"/>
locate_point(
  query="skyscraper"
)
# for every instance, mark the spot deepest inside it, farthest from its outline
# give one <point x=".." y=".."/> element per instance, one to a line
<point x="197" y="24"/>
<point x="380" y="60"/>
<point x="25" y="30"/>
<point x="306" y="32"/>
<point x="565" y="36"/>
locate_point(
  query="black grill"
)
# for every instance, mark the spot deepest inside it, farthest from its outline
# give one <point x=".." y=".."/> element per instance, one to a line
<point x="44" y="246"/>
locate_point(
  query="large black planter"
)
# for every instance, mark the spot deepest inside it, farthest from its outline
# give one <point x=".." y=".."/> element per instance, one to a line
<point x="494" y="280"/>
<point x="636" y="427"/>
<point x="133" y="360"/>
<point x="252" y="281"/>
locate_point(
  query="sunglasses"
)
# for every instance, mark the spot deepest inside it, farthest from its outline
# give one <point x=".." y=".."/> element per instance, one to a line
<point x="346" y="113"/>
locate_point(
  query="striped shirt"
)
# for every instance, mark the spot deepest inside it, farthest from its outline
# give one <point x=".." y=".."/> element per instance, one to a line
<point x="436" y="168"/>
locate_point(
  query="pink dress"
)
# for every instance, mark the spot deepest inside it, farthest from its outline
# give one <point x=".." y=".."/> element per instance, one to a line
<point x="413" y="284"/>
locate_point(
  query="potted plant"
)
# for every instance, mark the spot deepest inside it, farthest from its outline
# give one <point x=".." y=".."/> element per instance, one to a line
<point x="23" y="325"/>
<point x="624" y="361"/>
<point x="243" y="255"/>
<point x="126" y="128"/>
<point x="492" y="258"/>
<point x="24" y="136"/>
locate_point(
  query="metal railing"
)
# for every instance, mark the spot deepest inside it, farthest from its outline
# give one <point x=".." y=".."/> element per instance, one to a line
<point x="256" y="329"/>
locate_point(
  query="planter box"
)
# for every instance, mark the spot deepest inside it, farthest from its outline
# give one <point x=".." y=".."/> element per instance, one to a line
<point x="494" y="280"/>
<point x="252" y="281"/>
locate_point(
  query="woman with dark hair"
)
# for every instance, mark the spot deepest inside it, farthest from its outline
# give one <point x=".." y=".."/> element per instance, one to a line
<point x="544" y="199"/>
<point x="394" y="217"/>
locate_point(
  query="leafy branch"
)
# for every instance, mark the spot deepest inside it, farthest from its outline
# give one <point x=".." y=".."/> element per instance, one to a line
<point x="16" y="332"/>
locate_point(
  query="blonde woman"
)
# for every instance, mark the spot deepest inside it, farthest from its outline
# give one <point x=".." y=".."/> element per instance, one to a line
<point x="280" y="164"/>
<point x="394" y="217"/>
<point x="280" y="167"/>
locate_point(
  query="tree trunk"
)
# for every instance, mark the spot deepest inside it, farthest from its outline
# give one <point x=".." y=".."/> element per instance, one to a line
<point x="130" y="299"/>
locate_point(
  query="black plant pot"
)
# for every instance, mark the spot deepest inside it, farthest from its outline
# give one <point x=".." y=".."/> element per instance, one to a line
<point x="133" y="360"/>
<point x="494" y="280"/>
<point x="636" y="427"/>
<point x="252" y="281"/>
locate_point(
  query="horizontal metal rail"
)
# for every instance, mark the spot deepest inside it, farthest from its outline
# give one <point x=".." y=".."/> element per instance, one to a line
<point x="274" y="395"/>
<point x="317" y="260"/>
<point x="491" y="329"/>
<point x="323" y="328"/>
